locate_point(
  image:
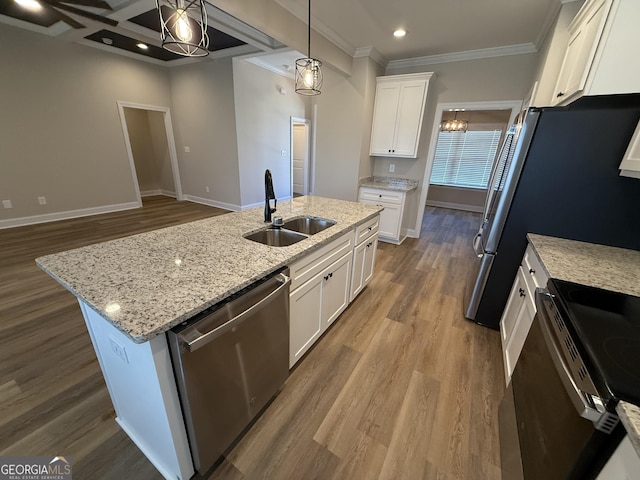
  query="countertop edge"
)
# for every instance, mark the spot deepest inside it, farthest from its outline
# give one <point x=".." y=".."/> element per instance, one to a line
<point x="209" y="303"/>
<point x="630" y="417"/>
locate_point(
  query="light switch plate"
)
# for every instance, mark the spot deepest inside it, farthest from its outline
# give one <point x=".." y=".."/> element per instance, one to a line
<point x="392" y="167"/>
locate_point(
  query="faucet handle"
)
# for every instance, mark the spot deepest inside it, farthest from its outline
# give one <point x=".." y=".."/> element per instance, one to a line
<point x="278" y="222"/>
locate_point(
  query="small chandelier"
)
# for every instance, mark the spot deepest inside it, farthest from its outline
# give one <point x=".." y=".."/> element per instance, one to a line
<point x="454" y="125"/>
<point x="308" y="72"/>
<point x="183" y="27"/>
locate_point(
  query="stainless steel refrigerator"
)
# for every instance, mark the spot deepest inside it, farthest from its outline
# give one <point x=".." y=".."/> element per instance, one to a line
<point x="556" y="174"/>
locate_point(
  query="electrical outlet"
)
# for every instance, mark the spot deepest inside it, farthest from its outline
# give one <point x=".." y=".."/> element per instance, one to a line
<point x="283" y="153"/>
<point x="118" y="349"/>
<point x="206" y="189"/>
<point x="187" y="149"/>
<point x="42" y="200"/>
<point x="6" y="204"/>
<point x="392" y="167"/>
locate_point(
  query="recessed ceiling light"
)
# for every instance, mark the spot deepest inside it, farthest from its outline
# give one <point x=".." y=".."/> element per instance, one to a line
<point x="142" y="46"/>
<point x="400" y="32"/>
<point x="29" y="4"/>
<point x="107" y="41"/>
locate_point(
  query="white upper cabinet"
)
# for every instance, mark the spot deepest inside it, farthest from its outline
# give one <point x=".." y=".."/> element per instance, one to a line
<point x="630" y="166"/>
<point x="601" y="57"/>
<point x="397" y="114"/>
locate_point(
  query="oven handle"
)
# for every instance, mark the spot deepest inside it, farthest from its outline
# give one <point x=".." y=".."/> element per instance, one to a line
<point x="202" y="340"/>
<point x="581" y="401"/>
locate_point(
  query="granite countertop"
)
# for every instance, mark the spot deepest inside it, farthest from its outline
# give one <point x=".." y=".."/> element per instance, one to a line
<point x="390" y="183"/>
<point x="147" y="283"/>
<point x="610" y="268"/>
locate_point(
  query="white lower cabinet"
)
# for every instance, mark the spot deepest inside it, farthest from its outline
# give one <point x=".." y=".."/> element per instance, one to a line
<point x="518" y="314"/>
<point x="323" y="284"/>
<point x="391" y="217"/>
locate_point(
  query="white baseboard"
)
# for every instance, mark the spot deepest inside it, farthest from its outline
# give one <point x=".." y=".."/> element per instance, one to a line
<point x="411" y="233"/>
<point x="52" y="217"/>
<point x="455" y="206"/>
<point x="153" y="193"/>
<point x="213" y="203"/>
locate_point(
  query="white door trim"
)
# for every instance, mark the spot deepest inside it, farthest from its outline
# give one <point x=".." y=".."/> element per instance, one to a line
<point x="171" y="145"/>
<point x="514" y="105"/>
<point x="305" y="185"/>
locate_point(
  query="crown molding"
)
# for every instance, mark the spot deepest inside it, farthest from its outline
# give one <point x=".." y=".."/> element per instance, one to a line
<point x="267" y="66"/>
<point x="372" y="53"/>
<point x="462" y="56"/>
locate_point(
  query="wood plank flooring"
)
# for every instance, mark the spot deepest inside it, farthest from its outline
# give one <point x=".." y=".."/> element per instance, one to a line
<point x="401" y="387"/>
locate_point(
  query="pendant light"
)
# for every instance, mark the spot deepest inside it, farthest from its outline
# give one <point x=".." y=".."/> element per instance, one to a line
<point x="183" y="27"/>
<point x="454" y="125"/>
<point x="308" y="72"/>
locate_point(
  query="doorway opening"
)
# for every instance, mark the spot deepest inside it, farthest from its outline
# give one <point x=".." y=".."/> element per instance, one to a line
<point x="462" y="185"/>
<point x="300" y="164"/>
<point x="148" y="135"/>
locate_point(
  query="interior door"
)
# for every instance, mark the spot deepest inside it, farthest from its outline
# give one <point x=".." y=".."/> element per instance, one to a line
<point x="300" y="159"/>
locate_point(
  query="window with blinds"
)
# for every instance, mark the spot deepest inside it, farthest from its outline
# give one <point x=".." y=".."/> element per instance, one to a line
<point x="464" y="159"/>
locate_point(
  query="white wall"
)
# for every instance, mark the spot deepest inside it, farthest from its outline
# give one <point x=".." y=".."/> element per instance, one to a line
<point x="60" y="131"/>
<point x="203" y="115"/>
<point x="263" y="125"/>
<point x="488" y="79"/>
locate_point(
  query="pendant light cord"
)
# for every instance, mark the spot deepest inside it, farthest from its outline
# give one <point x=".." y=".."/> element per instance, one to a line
<point x="309" y="33"/>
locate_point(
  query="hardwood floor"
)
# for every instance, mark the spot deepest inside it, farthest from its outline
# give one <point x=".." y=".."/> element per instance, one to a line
<point x="401" y="387"/>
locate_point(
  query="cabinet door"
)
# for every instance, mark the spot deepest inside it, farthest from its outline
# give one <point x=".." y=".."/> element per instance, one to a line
<point x="581" y="52"/>
<point x="369" y="260"/>
<point x="409" y="119"/>
<point x="335" y="289"/>
<point x="390" y="219"/>
<point x="305" y="324"/>
<point x="384" y="117"/>
<point x="357" y="271"/>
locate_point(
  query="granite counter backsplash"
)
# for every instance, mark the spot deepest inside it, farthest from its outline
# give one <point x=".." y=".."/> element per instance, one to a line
<point x="147" y="283"/>
<point x="390" y="183"/>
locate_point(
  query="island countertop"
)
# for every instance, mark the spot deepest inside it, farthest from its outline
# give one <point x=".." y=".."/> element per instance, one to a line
<point x="146" y="284"/>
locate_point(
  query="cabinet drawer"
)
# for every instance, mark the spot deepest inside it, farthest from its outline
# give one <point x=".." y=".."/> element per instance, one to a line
<point x="312" y="264"/>
<point x="381" y="196"/>
<point x="367" y="229"/>
<point x="534" y="272"/>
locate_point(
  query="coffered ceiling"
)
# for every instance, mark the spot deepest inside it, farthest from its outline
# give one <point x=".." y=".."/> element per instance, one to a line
<point x="435" y="28"/>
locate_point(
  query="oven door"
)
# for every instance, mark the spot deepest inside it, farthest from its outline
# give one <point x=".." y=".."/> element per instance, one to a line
<point x="542" y="435"/>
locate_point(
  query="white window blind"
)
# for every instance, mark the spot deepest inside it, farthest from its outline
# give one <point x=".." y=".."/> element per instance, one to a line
<point x="464" y="159"/>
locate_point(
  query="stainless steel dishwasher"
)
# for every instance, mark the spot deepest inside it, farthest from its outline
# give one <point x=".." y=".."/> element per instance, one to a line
<point x="229" y="361"/>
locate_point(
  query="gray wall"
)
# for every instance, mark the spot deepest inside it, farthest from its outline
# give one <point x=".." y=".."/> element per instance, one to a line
<point x="60" y="131"/>
<point x="263" y="125"/>
<point x="204" y="120"/>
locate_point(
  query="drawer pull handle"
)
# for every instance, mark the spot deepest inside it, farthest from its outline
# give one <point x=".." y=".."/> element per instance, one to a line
<point x="532" y="271"/>
<point x="560" y="94"/>
<point x="521" y="291"/>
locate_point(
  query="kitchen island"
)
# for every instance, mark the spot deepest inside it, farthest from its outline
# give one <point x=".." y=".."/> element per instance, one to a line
<point x="132" y="290"/>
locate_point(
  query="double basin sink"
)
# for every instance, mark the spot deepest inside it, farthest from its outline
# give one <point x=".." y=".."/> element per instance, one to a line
<point x="292" y="231"/>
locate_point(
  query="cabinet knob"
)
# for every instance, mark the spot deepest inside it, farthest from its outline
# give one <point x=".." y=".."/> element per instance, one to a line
<point x="370" y="228"/>
<point x="389" y="150"/>
<point x="326" y="277"/>
<point x="331" y="275"/>
<point x="532" y="271"/>
<point x="369" y="244"/>
<point x="521" y="291"/>
<point x="393" y="150"/>
<point x="560" y="94"/>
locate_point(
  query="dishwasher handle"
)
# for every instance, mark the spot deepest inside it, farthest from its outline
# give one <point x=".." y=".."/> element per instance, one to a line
<point x="201" y="341"/>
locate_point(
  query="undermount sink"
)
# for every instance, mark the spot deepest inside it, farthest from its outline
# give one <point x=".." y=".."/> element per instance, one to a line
<point x="308" y="225"/>
<point x="275" y="237"/>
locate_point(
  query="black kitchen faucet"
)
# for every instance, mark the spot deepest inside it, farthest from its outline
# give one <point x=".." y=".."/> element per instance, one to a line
<point x="269" y="194"/>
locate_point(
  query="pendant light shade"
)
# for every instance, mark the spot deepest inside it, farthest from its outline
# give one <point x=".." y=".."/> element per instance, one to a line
<point x="183" y="25"/>
<point x="454" y="125"/>
<point x="308" y="71"/>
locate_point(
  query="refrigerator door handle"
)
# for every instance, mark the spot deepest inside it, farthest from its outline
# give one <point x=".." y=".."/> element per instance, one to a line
<point x="477" y="244"/>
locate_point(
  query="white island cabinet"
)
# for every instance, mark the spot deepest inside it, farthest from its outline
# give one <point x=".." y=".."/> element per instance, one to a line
<point x="390" y="229"/>
<point x="397" y="114"/>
